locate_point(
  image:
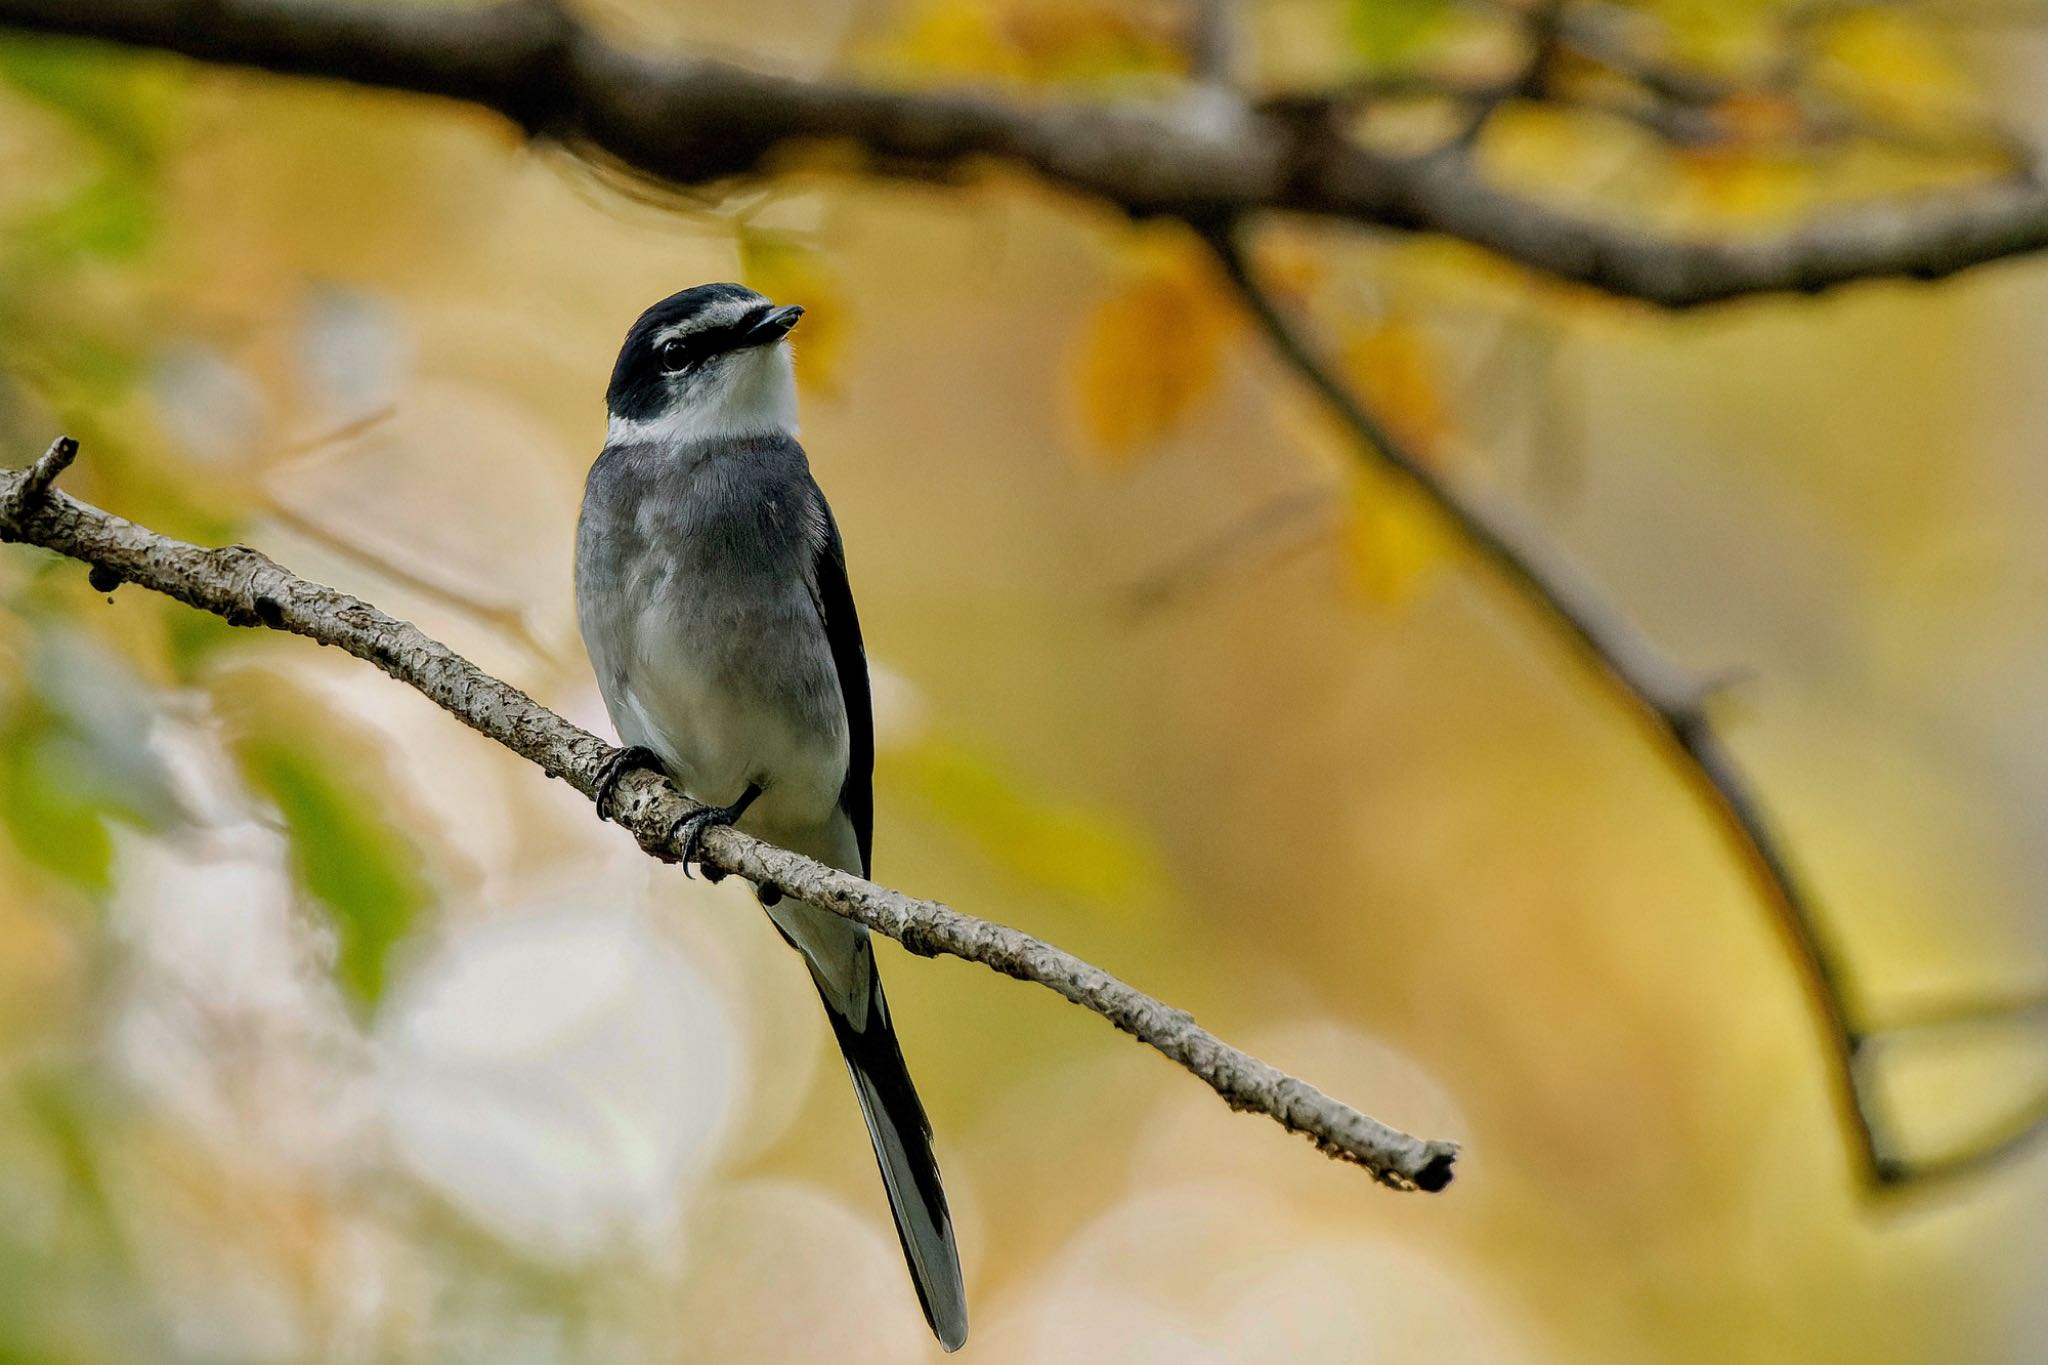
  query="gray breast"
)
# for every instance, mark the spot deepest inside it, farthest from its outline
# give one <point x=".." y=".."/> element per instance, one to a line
<point x="695" y="595"/>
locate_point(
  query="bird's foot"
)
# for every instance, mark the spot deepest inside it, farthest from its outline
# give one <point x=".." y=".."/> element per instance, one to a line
<point x="686" y="836"/>
<point x="621" y="762"/>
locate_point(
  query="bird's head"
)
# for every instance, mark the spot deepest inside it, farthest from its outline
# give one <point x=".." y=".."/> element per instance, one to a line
<point x="708" y="363"/>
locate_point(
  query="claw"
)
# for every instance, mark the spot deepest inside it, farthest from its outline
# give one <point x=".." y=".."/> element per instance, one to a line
<point x="621" y="762"/>
<point x="687" y="834"/>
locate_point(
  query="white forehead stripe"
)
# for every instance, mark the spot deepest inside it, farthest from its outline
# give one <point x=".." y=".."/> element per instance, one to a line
<point x="712" y="315"/>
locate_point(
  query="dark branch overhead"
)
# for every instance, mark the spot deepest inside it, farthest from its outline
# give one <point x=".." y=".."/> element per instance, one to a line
<point x="693" y="121"/>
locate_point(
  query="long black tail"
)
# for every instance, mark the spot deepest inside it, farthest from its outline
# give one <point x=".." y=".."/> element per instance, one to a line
<point x="903" y="1148"/>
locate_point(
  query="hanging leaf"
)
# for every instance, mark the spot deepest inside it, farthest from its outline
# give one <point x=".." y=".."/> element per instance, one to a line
<point x="1149" y="354"/>
<point x="1395" y="368"/>
<point x="1393" y="541"/>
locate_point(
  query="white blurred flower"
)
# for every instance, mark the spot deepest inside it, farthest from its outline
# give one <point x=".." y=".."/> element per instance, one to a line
<point x="1220" y="1271"/>
<point x="353" y="355"/>
<point x="562" y="1078"/>
<point x="211" y="408"/>
<point x="899" y="706"/>
<point x="227" y="1020"/>
<point x="787" y="1272"/>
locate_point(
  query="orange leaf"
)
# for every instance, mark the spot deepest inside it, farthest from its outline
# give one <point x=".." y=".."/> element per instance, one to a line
<point x="1149" y="354"/>
<point x="1395" y="370"/>
<point x="1392" y="540"/>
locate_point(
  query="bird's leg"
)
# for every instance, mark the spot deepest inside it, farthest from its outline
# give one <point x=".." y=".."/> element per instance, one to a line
<point x="689" y="831"/>
<point x="621" y="762"/>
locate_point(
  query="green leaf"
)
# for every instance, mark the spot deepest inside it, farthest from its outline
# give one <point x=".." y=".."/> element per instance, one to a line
<point x="54" y="819"/>
<point x="346" y="855"/>
<point x="124" y="107"/>
<point x="1390" y="31"/>
<point x="75" y="755"/>
<point x="123" y="111"/>
<point x="1079" y="851"/>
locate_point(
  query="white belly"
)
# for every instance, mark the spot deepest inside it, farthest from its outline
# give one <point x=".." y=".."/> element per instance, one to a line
<point x="719" y="736"/>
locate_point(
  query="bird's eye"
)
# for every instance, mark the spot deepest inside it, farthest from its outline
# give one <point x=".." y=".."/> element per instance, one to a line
<point x="674" y="355"/>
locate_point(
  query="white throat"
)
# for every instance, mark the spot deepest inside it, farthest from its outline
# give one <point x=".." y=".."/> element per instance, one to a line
<point x="752" y="393"/>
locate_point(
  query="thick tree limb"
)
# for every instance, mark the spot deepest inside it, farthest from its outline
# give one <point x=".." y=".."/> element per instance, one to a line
<point x="244" y="588"/>
<point x="1674" y="707"/>
<point x="694" y="121"/>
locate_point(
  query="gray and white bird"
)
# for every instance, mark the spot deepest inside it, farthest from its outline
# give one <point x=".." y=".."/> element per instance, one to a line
<point x="712" y="593"/>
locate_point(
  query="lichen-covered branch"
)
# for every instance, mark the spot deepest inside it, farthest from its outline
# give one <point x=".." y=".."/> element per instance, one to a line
<point x="693" y="121"/>
<point x="245" y="588"/>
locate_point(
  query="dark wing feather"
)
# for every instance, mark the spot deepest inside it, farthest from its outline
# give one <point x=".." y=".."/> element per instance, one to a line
<point x="842" y="632"/>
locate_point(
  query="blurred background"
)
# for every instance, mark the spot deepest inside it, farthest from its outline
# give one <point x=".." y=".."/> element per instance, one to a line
<point x="331" y="1032"/>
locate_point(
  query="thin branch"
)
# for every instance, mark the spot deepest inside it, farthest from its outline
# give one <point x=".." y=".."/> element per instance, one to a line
<point x="1670" y="703"/>
<point x="692" y="122"/>
<point x="1215" y="42"/>
<point x="32" y="483"/>
<point x="244" y="588"/>
<point x="1684" y="105"/>
<point x="1267" y="531"/>
<point x="503" y="617"/>
<point x="1977" y="1011"/>
<point x="1541" y="25"/>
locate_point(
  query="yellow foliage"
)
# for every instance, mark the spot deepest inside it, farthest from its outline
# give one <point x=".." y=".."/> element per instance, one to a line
<point x="1151" y="350"/>
<point x="1896" y="67"/>
<point x="1292" y="270"/>
<point x="1738" y="182"/>
<point x="788" y="273"/>
<point x="1037" y="44"/>
<point x="1391" y="539"/>
<point x="1391" y="365"/>
<point x="1077" y="850"/>
<point x="1760" y="118"/>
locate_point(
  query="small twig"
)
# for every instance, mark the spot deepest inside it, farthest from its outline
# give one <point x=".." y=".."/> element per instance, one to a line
<point x="1300" y="515"/>
<point x="245" y="588"/>
<point x="498" y="616"/>
<point x="1215" y="42"/>
<point x="1969" y="1012"/>
<point x="32" y="483"/>
<point x="326" y="442"/>
<point x="1541" y="24"/>
<point x="1672" y="703"/>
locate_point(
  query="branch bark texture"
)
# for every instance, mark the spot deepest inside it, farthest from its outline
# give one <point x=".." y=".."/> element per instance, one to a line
<point x="246" y="588"/>
<point x="692" y="121"/>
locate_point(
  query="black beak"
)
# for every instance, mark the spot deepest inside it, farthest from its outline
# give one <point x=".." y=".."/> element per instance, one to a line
<point x="772" y="326"/>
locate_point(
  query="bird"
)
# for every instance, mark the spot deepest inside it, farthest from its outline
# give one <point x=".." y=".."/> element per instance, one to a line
<point x="712" y="596"/>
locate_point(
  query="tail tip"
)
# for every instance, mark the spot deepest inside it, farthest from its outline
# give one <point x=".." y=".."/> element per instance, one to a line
<point x="952" y="1335"/>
